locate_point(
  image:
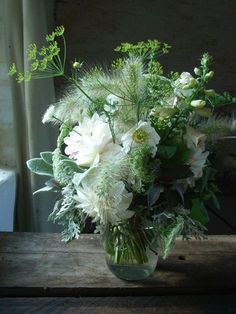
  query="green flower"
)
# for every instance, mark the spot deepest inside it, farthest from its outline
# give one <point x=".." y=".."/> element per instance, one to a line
<point x="20" y="77"/>
<point x="53" y="49"/>
<point x="12" y="69"/>
<point x="59" y="31"/>
<point x="43" y="51"/>
<point x="43" y="64"/>
<point x="34" y="66"/>
<point x="50" y="37"/>
<point x="32" y="52"/>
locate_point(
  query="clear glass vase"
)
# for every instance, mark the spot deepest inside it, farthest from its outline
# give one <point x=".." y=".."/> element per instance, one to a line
<point x="130" y="254"/>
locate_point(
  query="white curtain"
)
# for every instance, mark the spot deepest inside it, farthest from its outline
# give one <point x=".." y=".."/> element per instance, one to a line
<point x="28" y="21"/>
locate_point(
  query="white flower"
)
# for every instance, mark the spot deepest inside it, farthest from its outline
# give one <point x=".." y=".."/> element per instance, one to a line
<point x="184" y="86"/>
<point x="112" y="102"/>
<point x="142" y="133"/>
<point x="198" y="103"/>
<point x="91" y="142"/>
<point x="194" y="138"/>
<point x="48" y="116"/>
<point x="196" y="143"/>
<point x="197" y="162"/>
<point x="185" y="78"/>
<point x="110" y="207"/>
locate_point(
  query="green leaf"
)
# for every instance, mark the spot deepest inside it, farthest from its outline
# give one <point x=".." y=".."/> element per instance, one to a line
<point x="198" y="211"/>
<point x="215" y="200"/>
<point x="40" y="167"/>
<point x="183" y="153"/>
<point x="44" y="189"/>
<point x="174" y="173"/>
<point x="71" y="165"/>
<point x="154" y="194"/>
<point x="47" y="157"/>
<point x="166" y="152"/>
<point x="170" y="233"/>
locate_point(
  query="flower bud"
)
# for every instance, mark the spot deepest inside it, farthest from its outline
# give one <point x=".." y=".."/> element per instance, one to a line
<point x="198" y="103"/>
<point x="209" y="92"/>
<point x="76" y="65"/>
<point x="191" y="84"/>
<point x="197" y="71"/>
<point x="210" y="74"/>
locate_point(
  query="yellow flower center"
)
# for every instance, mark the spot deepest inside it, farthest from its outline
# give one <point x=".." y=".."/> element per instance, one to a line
<point x="140" y="136"/>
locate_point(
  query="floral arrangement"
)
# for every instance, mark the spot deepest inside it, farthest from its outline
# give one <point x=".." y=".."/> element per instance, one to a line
<point x="134" y="148"/>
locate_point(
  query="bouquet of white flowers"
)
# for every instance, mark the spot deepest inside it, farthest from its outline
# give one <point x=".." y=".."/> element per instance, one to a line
<point x="133" y="150"/>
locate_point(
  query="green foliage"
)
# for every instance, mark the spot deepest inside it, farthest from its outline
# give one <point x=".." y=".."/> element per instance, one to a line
<point x="68" y="215"/>
<point x="129" y="241"/>
<point x="118" y="64"/>
<point x="148" y="50"/>
<point x="40" y="167"/>
<point x="47" y="157"/>
<point x="96" y="107"/>
<point x="175" y="223"/>
<point x="65" y="129"/>
<point x="170" y="233"/>
<point x="50" y="186"/>
<point x="206" y="188"/>
<point x="63" y="168"/>
<point x="142" y="166"/>
<point x="44" y="62"/>
<point x="12" y="69"/>
<point x="217" y="100"/>
<point x="198" y="211"/>
<point x="142" y="92"/>
<point x="154" y="193"/>
<point x="166" y="151"/>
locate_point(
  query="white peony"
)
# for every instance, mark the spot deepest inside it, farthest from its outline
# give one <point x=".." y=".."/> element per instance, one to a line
<point x="110" y="207"/>
<point x="90" y="142"/>
<point x="142" y="133"/>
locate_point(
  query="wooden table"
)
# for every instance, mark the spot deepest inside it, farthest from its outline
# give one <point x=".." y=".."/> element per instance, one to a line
<point x="40" y="274"/>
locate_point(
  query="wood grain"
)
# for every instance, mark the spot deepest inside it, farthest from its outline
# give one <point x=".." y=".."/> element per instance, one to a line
<point x="41" y="265"/>
<point x="189" y="304"/>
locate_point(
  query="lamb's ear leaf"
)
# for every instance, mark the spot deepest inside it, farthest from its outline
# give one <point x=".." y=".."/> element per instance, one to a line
<point x="40" y="167"/>
<point x="44" y="189"/>
<point x="71" y="165"/>
<point x="47" y="157"/>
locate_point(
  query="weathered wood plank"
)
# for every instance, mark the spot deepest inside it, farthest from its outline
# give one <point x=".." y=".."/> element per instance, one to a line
<point x="80" y="270"/>
<point x="126" y="305"/>
<point x="25" y="242"/>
